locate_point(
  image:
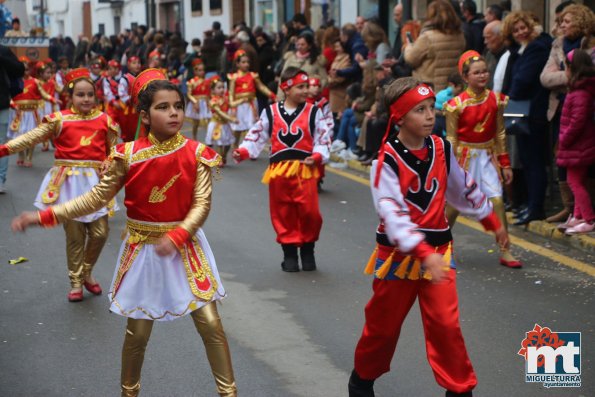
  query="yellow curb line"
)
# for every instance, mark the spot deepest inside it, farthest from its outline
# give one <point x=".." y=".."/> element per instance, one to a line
<point x="563" y="259"/>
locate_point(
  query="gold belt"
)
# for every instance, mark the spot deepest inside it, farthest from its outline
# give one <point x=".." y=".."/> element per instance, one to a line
<point x="245" y="95"/>
<point x="480" y="145"/>
<point x="147" y="233"/>
<point x="77" y="163"/>
<point x="27" y="104"/>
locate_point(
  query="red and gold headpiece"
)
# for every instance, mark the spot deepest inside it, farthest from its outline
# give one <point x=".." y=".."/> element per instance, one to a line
<point x="99" y="61"/>
<point x="154" y="54"/>
<point x="41" y="65"/>
<point x="398" y="109"/>
<point x="132" y="59"/>
<point x="466" y="58"/>
<point x="143" y="79"/>
<point x="24" y="59"/>
<point x="299" y="78"/>
<point x="78" y="74"/>
<point x="196" y="62"/>
<point x="238" y="53"/>
<point x="114" y="64"/>
<point x="314" y="81"/>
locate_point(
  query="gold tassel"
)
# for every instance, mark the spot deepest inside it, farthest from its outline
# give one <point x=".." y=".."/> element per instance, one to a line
<point x="402" y="269"/>
<point x="448" y="255"/>
<point x="306" y="172"/>
<point x="371" y="262"/>
<point x="383" y="270"/>
<point x="293" y="170"/>
<point x="266" y="177"/>
<point x="281" y="169"/>
<point x="414" y="273"/>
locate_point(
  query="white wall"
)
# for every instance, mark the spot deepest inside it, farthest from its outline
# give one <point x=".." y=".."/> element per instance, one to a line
<point x="348" y="12"/>
<point x="195" y="26"/>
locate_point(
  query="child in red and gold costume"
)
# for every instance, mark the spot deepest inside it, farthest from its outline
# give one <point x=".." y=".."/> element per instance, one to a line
<point x="414" y="176"/>
<point x="166" y="268"/>
<point x="83" y="137"/>
<point x="127" y="116"/>
<point x="198" y="92"/>
<point x="110" y="88"/>
<point x="242" y="95"/>
<point x="60" y="77"/>
<point x="316" y="98"/>
<point x="49" y="85"/>
<point x="97" y="69"/>
<point x="300" y="140"/>
<point x="25" y="110"/>
<point x="475" y="128"/>
<point x="219" y="132"/>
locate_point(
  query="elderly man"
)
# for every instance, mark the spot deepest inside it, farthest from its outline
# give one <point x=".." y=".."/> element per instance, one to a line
<point x="360" y="21"/>
<point x="494" y="43"/>
<point x="398" y="18"/>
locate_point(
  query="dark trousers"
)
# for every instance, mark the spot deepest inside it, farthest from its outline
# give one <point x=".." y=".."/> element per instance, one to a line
<point x="533" y="154"/>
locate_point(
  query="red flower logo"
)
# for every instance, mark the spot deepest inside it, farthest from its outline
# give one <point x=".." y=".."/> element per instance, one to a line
<point x="539" y="337"/>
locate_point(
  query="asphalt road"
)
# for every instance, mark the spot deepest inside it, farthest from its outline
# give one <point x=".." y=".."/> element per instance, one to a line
<point x="290" y="334"/>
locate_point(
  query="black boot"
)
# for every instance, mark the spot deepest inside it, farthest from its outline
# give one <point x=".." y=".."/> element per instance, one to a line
<point x="453" y="394"/>
<point x="307" y="255"/>
<point x="359" y="387"/>
<point x="290" y="258"/>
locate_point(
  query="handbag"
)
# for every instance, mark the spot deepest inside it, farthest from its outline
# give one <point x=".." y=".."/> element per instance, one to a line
<point x="516" y="117"/>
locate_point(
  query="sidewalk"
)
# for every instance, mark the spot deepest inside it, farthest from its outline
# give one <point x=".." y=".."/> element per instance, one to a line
<point x="583" y="242"/>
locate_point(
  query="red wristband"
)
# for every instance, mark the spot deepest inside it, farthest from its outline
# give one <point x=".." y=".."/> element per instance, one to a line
<point x="423" y="250"/>
<point x="504" y="160"/>
<point x="244" y="154"/>
<point x="47" y="218"/>
<point x="4" y="151"/>
<point x="491" y="222"/>
<point x="178" y="236"/>
<point x="317" y="158"/>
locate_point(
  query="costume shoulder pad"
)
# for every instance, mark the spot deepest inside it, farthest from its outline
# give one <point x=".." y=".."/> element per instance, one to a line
<point x="207" y="156"/>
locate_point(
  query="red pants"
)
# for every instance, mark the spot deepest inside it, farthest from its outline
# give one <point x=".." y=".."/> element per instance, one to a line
<point x="294" y="210"/>
<point x="445" y="347"/>
<point x="577" y="179"/>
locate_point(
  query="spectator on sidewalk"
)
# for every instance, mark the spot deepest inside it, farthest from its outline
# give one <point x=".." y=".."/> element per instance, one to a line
<point x="576" y="26"/>
<point x="529" y="52"/>
<point x="10" y="70"/>
<point x="355" y="45"/>
<point x="300" y="24"/>
<point x="494" y="48"/>
<point x="473" y="26"/>
<point x="494" y="12"/>
<point x="434" y="55"/>
<point x="16" y="29"/>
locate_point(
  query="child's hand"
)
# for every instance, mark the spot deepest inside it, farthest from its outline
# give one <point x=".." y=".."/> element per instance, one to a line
<point x="26" y="219"/>
<point x="507" y="174"/>
<point x="165" y="247"/>
<point x="309" y="160"/>
<point x="237" y="157"/>
<point x="502" y="238"/>
<point x="435" y="264"/>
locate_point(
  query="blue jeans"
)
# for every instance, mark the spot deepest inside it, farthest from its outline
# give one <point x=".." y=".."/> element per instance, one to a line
<point x="3" y="132"/>
<point x="347" y="127"/>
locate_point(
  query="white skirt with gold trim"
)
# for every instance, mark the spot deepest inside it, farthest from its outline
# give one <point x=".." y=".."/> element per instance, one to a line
<point x="156" y="287"/>
<point x="219" y="134"/>
<point x="246" y="113"/>
<point x="74" y="181"/>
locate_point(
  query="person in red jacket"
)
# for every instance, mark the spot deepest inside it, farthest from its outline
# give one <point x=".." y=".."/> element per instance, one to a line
<point x="300" y="139"/>
<point x="576" y="145"/>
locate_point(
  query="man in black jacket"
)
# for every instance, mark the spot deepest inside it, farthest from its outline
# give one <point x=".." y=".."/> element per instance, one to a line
<point x="10" y="69"/>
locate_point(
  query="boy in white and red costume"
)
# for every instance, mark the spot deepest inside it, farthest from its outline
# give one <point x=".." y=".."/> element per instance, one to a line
<point x="300" y="140"/>
<point x="414" y="176"/>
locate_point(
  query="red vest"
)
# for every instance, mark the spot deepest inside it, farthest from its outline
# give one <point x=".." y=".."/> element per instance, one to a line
<point x="200" y="87"/>
<point x="82" y="137"/>
<point x="30" y="91"/>
<point x="159" y="186"/>
<point x="244" y="83"/>
<point x="291" y="135"/>
<point x="477" y="116"/>
<point x="423" y="186"/>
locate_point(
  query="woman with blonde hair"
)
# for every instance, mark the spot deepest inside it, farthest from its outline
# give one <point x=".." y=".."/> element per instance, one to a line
<point x="376" y="41"/>
<point x="434" y="55"/>
<point x="576" y="28"/>
<point x="529" y="51"/>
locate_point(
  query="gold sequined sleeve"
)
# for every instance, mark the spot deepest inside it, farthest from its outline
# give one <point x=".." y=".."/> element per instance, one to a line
<point x="42" y="132"/>
<point x="231" y="80"/>
<point x="202" y="200"/>
<point x="43" y="92"/>
<point x="216" y="108"/>
<point x="451" y="114"/>
<point x="113" y="132"/>
<point x="189" y="87"/>
<point x="98" y="197"/>
<point x="500" y="137"/>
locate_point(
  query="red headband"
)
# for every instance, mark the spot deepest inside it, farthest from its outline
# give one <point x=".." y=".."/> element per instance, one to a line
<point x="300" y="78"/>
<point x="467" y="57"/>
<point x="132" y="59"/>
<point x="398" y="110"/>
<point x="314" y="81"/>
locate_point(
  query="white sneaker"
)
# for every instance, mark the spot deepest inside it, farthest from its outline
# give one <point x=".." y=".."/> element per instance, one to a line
<point x="2" y="189"/>
<point x="570" y="222"/>
<point x="584" y="227"/>
<point x="349" y="155"/>
<point x="337" y="146"/>
<point x="340" y="166"/>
